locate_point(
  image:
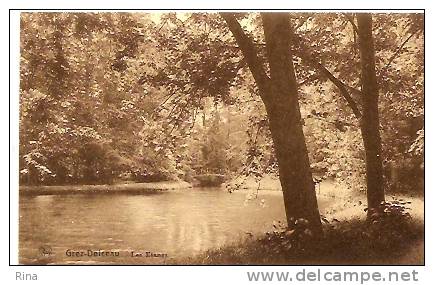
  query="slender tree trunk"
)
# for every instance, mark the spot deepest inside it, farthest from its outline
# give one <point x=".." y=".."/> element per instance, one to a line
<point x="370" y="124"/>
<point x="280" y="96"/>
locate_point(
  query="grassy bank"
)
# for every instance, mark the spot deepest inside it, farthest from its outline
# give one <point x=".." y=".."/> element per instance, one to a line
<point x="346" y="244"/>
<point x="131" y="188"/>
<point x="348" y="238"/>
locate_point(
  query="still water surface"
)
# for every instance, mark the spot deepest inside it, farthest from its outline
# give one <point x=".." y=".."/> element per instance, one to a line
<point x="178" y="223"/>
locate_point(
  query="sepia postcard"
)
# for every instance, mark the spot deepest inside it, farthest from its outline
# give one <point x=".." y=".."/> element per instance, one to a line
<point x="221" y="137"/>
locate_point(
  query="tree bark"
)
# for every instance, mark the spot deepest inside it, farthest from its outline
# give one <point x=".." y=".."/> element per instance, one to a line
<point x="280" y="97"/>
<point x="370" y="124"/>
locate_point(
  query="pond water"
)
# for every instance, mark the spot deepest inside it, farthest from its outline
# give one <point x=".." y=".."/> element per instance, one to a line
<point x="140" y="229"/>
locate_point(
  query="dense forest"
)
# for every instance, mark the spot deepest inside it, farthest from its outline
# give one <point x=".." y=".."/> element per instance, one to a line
<point x="113" y="96"/>
<point x="107" y="98"/>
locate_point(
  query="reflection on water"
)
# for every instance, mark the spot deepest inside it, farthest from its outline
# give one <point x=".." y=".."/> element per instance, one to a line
<point x="178" y="223"/>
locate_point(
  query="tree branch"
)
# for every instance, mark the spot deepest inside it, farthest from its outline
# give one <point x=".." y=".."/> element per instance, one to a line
<point x="303" y="53"/>
<point x="249" y="51"/>
<point x="351" y="20"/>
<point x="395" y="55"/>
<point x="340" y="85"/>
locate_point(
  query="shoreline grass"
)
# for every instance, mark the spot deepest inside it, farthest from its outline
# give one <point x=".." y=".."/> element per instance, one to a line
<point x="345" y="244"/>
<point x="130" y="188"/>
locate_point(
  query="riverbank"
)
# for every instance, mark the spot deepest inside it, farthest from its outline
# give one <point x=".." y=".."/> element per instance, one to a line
<point x="346" y="204"/>
<point x="348" y="239"/>
<point x="272" y="183"/>
<point x="130" y="188"/>
<point x="348" y="242"/>
<point x="267" y="182"/>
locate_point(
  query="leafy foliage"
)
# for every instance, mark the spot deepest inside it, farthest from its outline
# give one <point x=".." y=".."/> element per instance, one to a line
<point x="108" y="96"/>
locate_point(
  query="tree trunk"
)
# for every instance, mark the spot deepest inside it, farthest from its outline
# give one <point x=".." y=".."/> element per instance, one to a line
<point x="286" y="127"/>
<point x="280" y="97"/>
<point x="370" y="124"/>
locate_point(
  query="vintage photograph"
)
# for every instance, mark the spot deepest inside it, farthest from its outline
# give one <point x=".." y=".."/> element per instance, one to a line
<point x="221" y="138"/>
